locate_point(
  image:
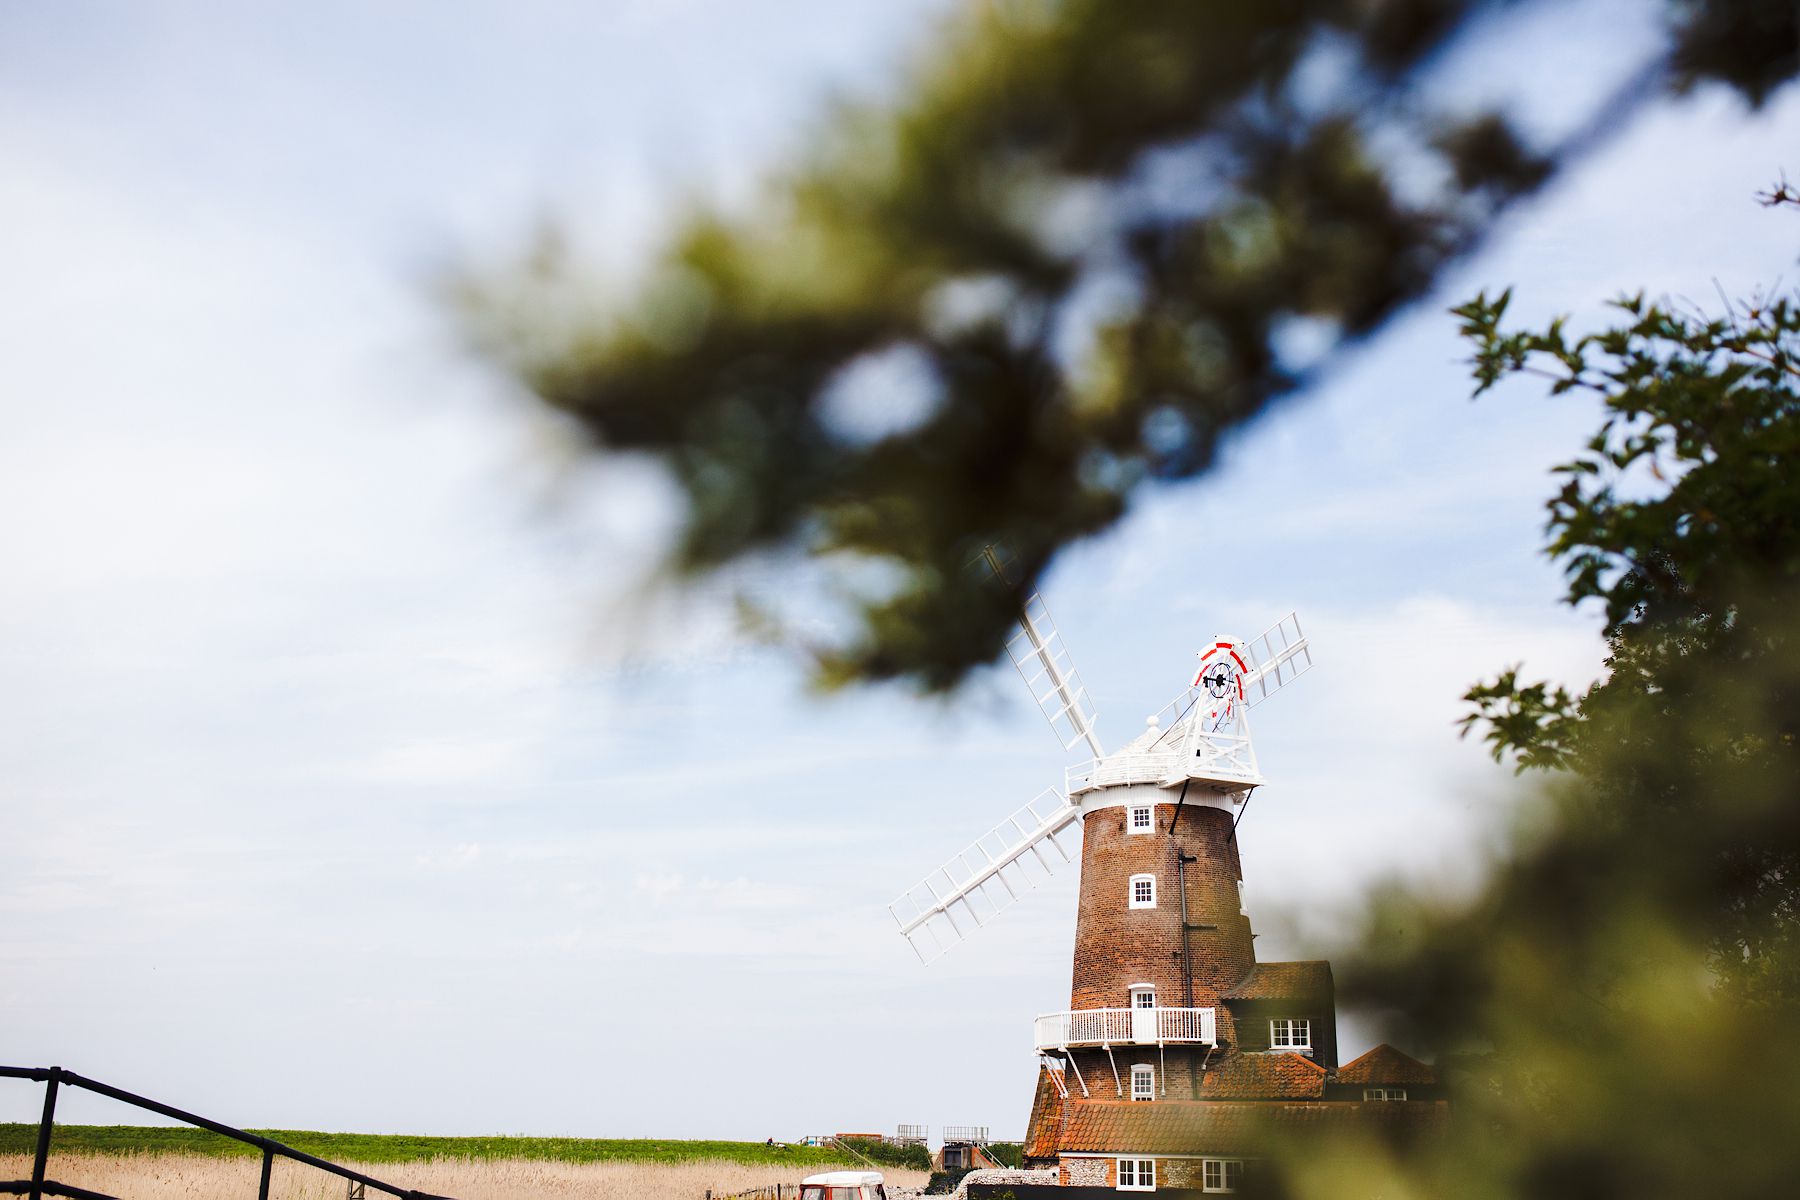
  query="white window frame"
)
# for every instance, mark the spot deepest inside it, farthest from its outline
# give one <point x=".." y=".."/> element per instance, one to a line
<point x="1384" y="1093"/>
<point x="1243" y="900"/>
<point x="1146" y="1072"/>
<point x="1131" y="893"/>
<point x="1228" y="1180"/>
<point x="1142" y="989"/>
<point x="1138" y="1168"/>
<point x="1131" y="819"/>
<point x="1290" y="1038"/>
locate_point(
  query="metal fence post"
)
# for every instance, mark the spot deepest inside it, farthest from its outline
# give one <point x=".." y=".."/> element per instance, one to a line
<point x="44" y="1127"/>
<point x="262" y="1191"/>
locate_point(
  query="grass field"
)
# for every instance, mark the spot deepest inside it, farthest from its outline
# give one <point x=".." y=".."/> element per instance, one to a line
<point x="158" y="1175"/>
<point x="405" y="1148"/>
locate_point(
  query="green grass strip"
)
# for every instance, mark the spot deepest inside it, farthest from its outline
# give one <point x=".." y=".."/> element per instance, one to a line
<point x="399" y="1148"/>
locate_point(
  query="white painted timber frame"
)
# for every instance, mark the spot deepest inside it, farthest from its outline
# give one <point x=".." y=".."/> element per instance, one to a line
<point x="1135" y="1168"/>
<point x="1291" y="1033"/>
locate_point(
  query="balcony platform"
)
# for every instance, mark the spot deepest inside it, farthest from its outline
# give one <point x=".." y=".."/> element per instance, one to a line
<point x="1108" y="1027"/>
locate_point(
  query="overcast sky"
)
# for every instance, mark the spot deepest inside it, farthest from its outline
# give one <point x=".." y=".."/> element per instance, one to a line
<point x="344" y="785"/>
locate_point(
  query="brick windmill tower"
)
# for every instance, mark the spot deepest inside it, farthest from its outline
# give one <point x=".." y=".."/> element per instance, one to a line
<point x="1159" y="1073"/>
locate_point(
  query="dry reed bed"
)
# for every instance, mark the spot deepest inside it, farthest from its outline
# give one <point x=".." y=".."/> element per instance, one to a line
<point x="197" y="1177"/>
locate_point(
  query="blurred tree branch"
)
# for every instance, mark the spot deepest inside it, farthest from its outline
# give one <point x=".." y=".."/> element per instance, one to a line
<point x="1224" y="174"/>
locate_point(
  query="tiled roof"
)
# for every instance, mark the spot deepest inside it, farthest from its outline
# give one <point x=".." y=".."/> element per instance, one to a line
<point x="1384" y="1064"/>
<point x="1264" y="1077"/>
<point x="1202" y="1127"/>
<point x="1284" y="981"/>
<point x="1046" y="1118"/>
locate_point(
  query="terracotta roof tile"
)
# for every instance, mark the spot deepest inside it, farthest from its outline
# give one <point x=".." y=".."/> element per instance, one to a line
<point x="1046" y="1120"/>
<point x="1384" y="1064"/>
<point x="1264" y="1077"/>
<point x="1284" y="981"/>
<point x="1202" y="1127"/>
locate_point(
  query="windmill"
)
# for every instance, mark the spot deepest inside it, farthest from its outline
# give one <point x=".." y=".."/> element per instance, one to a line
<point x="1200" y="739"/>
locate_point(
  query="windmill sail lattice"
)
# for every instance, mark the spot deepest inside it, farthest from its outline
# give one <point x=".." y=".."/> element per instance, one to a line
<point x="1014" y="856"/>
<point x="975" y="886"/>
<point x="1278" y="656"/>
<point x="1044" y="663"/>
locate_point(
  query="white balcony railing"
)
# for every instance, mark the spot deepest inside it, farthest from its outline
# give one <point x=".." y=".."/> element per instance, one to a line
<point x="1121" y="769"/>
<point x="1124" y="1027"/>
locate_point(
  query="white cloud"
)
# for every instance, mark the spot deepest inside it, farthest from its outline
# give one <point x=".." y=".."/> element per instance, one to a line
<point x="438" y="762"/>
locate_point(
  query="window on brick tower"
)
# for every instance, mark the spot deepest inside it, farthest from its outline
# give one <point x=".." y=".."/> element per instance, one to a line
<point x="1143" y="891"/>
<point x="1141" y="820"/>
<point x="1143" y="1082"/>
<point x="1221" y="1174"/>
<point x="1290" y="1033"/>
<point x="1143" y="996"/>
<point x="1137" y="1174"/>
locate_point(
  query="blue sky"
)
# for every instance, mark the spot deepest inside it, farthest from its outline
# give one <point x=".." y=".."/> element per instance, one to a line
<point x="344" y="741"/>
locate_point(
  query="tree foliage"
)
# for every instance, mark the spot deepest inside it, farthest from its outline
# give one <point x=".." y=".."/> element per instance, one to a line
<point x="1618" y="1003"/>
<point x="1677" y="516"/>
<point x="1083" y="243"/>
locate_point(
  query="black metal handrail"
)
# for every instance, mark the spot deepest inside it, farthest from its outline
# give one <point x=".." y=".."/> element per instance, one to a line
<point x="54" y="1077"/>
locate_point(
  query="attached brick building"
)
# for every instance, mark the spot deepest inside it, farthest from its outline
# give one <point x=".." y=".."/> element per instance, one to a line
<point x="1179" y="1051"/>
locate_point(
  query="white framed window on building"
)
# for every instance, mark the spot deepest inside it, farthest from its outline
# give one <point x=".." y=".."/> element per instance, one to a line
<point x="1141" y="820"/>
<point x="1143" y="995"/>
<point x="1137" y="1174"/>
<point x="1389" y="1093"/>
<point x="1143" y="891"/>
<point x="1290" y="1033"/>
<point x="1221" y="1174"/>
<point x="1143" y="1082"/>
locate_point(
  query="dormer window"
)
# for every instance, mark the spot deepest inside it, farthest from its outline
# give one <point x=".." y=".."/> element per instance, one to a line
<point x="1290" y="1033"/>
<point x="1141" y="819"/>
<point x="1384" y="1093"/>
<point x="1143" y="891"/>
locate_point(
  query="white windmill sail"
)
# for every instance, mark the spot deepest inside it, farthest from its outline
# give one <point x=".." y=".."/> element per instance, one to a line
<point x="1017" y="854"/>
<point x="1043" y="661"/>
<point x="1278" y="656"/>
<point x="976" y="885"/>
<point x="1037" y="650"/>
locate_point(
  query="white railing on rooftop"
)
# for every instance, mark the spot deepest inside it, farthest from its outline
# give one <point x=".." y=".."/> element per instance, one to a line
<point x="1121" y="769"/>
<point x="1117" y="1027"/>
